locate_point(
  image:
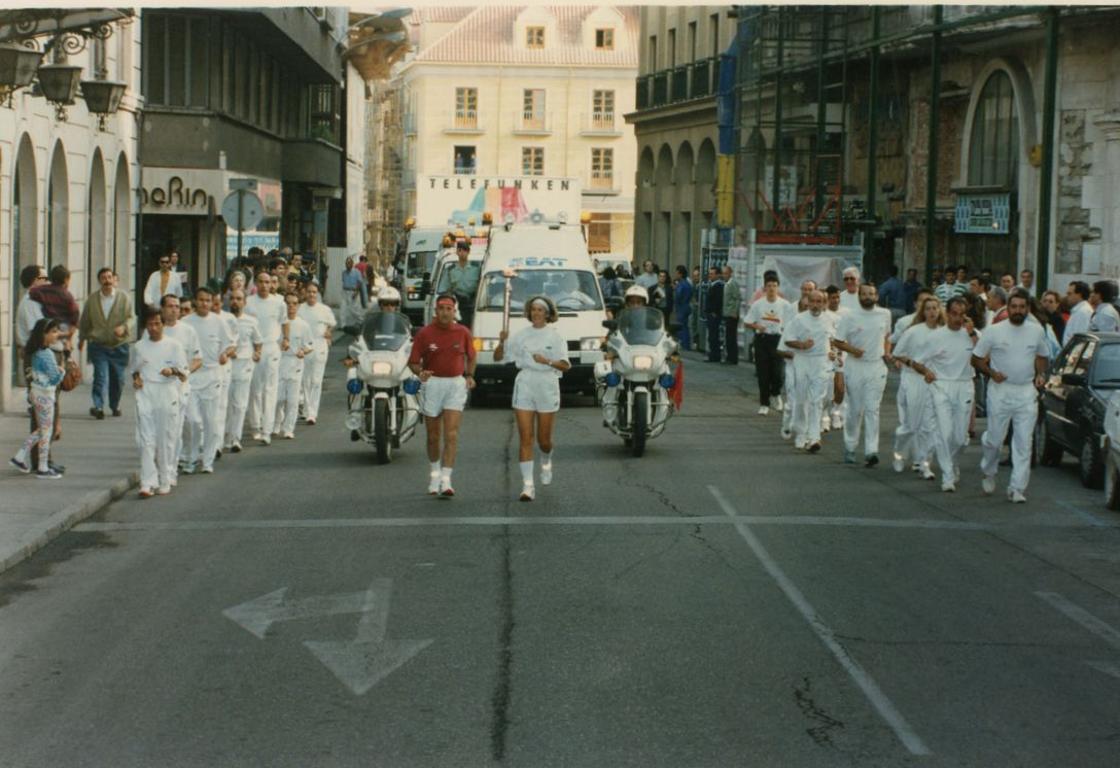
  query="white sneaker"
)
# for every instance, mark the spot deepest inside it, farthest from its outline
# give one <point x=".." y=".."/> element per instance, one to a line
<point x="826" y="424"/>
<point x="988" y="484"/>
<point x="433" y="483"/>
<point x="897" y="464"/>
<point x="207" y="470"/>
<point x="527" y="492"/>
<point x="948" y="486"/>
<point x="256" y="435"/>
<point x="764" y="410"/>
<point x="163" y="490"/>
<point x="266" y="440"/>
<point x="927" y="473"/>
<point x="787" y="434"/>
<point x="1016" y="497"/>
<point x="546" y="474"/>
<point x="445" y="489"/>
<point x="801" y="443"/>
<point x="289" y="435"/>
<point x="778" y="404"/>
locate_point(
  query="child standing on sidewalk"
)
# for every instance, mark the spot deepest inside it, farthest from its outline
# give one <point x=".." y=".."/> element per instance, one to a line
<point x="46" y="375"/>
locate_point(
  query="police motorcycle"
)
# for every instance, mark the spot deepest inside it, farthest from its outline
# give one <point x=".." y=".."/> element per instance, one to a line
<point x="382" y="408"/>
<point x="635" y="377"/>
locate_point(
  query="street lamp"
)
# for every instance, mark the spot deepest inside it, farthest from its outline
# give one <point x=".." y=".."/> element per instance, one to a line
<point x="103" y="97"/>
<point x="59" y="83"/>
<point x="17" y="68"/>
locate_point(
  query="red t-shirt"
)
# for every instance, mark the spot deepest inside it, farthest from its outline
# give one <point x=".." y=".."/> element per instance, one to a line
<point x="443" y="351"/>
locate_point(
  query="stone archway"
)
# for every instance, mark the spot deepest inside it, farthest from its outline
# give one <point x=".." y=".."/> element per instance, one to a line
<point x="122" y="213"/>
<point x="58" y="209"/>
<point x="25" y="228"/>
<point x="97" y="255"/>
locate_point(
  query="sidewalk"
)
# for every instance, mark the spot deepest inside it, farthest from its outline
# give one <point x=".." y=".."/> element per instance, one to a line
<point x="101" y="465"/>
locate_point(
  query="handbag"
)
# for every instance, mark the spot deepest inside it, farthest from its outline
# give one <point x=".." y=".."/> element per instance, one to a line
<point x="73" y="376"/>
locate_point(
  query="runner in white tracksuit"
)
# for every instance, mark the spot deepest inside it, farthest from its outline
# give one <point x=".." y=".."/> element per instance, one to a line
<point x="245" y="358"/>
<point x="1014" y="354"/>
<point x="835" y="405"/>
<point x="272" y="318"/>
<point x="863" y="335"/>
<point x="321" y="319"/>
<point x="227" y="370"/>
<point x="789" y="378"/>
<point x="158" y="366"/>
<point x="205" y="419"/>
<point x="916" y="434"/>
<point x="946" y="365"/>
<point x="185" y="335"/>
<point x="809" y="336"/>
<point x="900" y="326"/>
<point x="292" y="361"/>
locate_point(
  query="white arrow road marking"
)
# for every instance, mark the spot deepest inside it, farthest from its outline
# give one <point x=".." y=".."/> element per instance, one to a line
<point x="259" y="614"/>
<point x="369" y="658"/>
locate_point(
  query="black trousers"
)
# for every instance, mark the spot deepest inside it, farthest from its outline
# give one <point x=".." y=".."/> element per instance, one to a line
<point x="731" y="339"/>
<point x="714" y="327"/>
<point x="769" y="365"/>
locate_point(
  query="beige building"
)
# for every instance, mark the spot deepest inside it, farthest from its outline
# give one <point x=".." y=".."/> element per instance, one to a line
<point x="526" y="91"/>
<point x="676" y="130"/>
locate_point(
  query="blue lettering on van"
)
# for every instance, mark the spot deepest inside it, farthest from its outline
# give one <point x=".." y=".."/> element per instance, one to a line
<point x="539" y="261"/>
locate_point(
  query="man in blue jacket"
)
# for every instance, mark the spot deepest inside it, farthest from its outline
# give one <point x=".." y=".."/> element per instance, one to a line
<point x="682" y="296"/>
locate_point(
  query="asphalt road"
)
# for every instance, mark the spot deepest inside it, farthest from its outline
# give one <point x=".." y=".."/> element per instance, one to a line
<point x="722" y="601"/>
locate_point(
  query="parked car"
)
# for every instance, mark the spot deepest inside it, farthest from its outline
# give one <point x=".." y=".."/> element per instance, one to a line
<point x="1110" y="447"/>
<point x="1072" y="406"/>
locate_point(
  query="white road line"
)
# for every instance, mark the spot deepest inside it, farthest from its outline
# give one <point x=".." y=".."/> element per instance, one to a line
<point x="1084" y="514"/>
<point x="1108" y="667"/>
<point x="1073" y="611"/>
<point x="862" y="679"/>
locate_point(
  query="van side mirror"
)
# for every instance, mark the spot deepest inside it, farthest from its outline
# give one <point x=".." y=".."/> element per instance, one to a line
<point x="610" y="325"/>
<point x="1073" y="379"/>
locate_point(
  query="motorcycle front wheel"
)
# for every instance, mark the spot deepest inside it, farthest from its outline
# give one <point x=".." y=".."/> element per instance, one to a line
<point x="381" y="431"/>
<point x="639" y="414"/>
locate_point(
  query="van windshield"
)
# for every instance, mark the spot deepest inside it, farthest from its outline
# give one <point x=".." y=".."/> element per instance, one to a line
<point x="419" y="262"/>
<point x="572" y="290"/>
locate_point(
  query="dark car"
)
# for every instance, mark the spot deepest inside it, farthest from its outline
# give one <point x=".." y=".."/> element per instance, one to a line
<point x="1073" y="403"/>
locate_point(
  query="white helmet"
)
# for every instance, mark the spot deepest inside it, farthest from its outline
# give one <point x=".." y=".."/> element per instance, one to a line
<point x="388" y="295"/>
<point x="639" y="292"/>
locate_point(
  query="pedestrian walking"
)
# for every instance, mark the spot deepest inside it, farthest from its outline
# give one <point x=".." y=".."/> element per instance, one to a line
<point x="808" y="335"/>
<point x="541" y="356"/>
<point x="713" y="314"/>
<point x="272" y="320"/>
<point x="695" y="321"/>
<point x="158" y="366"/>
<point x="443" y="357"/>
<point x="301" y="343"/>
<point x="1080" y="310"/>
<point x="682" y="305"/>
<point x="227" y="369"/>
<point x="205" y="418"/>
<point x="862" y="334"/>
<point x="107" y="323"/>
<point x="45" y="376"/>
<point x="352" y="287"/>
<point x="247" y="354"/>
<point x="163" y="281"/>
<point x="1105" y="318"/>
<point x="1014" y="355"/>
<point x="768" y="317"/>
<point x="320" y="318"/>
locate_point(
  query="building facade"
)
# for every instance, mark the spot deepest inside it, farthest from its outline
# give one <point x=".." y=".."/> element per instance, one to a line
<point x="69" y="178"/>
<point x="525" y="91"/>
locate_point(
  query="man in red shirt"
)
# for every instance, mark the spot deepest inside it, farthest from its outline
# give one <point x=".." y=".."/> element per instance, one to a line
<point x="443" y="357"/>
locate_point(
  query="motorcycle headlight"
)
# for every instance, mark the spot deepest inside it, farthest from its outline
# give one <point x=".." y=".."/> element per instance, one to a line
<point x="381" y="368"/>
<point x="642" y="362"/>
<point x="354" y="386"/>
<point x="589" y="343"/>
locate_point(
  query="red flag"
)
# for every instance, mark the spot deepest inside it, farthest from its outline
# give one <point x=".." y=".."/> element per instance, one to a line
<point x="676" y="392"/>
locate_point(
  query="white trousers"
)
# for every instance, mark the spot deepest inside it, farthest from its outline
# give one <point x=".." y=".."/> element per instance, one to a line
<point x="223" y="405"/>
<point x="314" y="367"/>
<point x="864" y="384"/>
<point x="352" y="311"/>
<point x="184" y="409"/>
<point x="263" y="391"/>
<point x="157" y="432"/>
<point x="287" y="401"/>
<point x="789" y="390"/>
<point x="811" y="385"/>
<point x="1010" y="404"/>
<point x="952" y="407"/>
<point x="241" y="381"/>
<point x="916" y="434"/>
<point x="204" y="426"/>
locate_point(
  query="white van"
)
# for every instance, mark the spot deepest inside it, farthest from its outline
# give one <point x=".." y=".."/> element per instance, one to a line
<point x="440" y="282"/>
<point x="420" y="257"/>
<point x="544" y="258"/>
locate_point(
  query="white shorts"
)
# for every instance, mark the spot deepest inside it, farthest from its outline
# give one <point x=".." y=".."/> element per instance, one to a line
<point x="537" y="391"/>
<point x="446" y="393"/>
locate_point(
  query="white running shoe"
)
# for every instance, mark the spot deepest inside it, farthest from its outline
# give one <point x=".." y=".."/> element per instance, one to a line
<point x="445" y="489"/>
<point x="764" y="410"/>
<point x="257" y="435"/>
<point x="207" y="470"/>
<point x="546" y="474"/>
<point x="948" y="487"/>
<point x="988" y="484"/>
<point x="163" y="490"/>
<point x="433" y="483"/>
<point x="289" y="435"/>
<point x="527" y="492"/>
<point x="826" y="424"/>
<point x="801" y="443"/>
<point x="787" y="434"/>
<point x="927" y="473"/>
<point x="897" y="464"/>
<point x="778" y="404"/>
<point x="1016" y="497"/>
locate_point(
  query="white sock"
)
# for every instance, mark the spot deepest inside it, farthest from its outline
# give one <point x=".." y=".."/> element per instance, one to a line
<point x="445" y="474"/>
<point x="546" y="459"/>
<point x="21" y="456"/>
<point x="434" y="467"/>
<point x="526" y="472"/>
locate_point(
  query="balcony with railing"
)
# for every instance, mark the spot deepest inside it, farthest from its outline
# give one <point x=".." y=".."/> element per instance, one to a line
<point x="532" y="123"/>
<point x="599" y="124"/>
<point x="602" y="182"/>
<point x="463" y="121"/>
<point x="697" y="80"/>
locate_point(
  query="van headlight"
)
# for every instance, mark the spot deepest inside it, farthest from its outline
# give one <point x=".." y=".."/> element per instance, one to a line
<point x="485" y="345"/>
<point x="589" y="343"/>
<point x="643" y="362"/>
<point x="413" y="296"/>
<point x="381" y="368"/>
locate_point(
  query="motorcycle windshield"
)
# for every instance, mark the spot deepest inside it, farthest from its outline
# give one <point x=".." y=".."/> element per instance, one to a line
<point x="386" y="331"/>
<point x="641" y="325"/>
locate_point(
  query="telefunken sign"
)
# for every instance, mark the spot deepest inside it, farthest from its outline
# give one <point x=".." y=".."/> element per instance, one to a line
<point x="499" y="182"/>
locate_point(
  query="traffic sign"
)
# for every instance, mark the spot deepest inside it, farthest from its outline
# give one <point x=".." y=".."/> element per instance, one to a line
<point x="242" y="210"/>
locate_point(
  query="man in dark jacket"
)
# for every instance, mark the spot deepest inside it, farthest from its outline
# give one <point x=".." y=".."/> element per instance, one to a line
<point x="713" y="313"/>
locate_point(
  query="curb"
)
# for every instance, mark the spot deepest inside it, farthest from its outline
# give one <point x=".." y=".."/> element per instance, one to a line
<point x="65" y="519"/>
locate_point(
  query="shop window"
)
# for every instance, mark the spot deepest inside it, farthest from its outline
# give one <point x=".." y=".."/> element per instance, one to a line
<point x="465" y="160"/>
<point x="993" y="151"/>
<point x="176" y="60"/>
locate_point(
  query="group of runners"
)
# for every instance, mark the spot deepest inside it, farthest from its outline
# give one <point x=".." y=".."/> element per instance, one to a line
<point x="839" y="344"/>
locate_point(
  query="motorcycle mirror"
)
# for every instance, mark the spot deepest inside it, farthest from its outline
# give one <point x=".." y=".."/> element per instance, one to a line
<point x="674" y="327"/>
<point x="610" y="325"/>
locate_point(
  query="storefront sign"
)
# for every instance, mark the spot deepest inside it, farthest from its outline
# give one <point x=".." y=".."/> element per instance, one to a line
<point x="181" y="191"/>
<point x="983" y="214"/>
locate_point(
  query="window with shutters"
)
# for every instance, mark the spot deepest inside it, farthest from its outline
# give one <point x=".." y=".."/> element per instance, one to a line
<point x="466" y="107"/>
<point x="602" y="110"/>
<point x="532" y="161"/>
<point x="604" y="39"/>
<point x="534" y="37"/>
<point x="532" y="110"/>
<point x="602" y="168"/>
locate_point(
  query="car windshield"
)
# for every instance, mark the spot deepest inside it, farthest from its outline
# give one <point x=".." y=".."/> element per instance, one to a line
<point x="420" y="262"/>
<point x="386" y="330"/>
<point x="641" y="325"/>
<point x="572" y="290"/>
<point x="1106" y="367"/>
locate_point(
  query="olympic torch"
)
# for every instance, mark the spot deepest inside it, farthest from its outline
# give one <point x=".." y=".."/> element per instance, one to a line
<point x="508" y="273"/>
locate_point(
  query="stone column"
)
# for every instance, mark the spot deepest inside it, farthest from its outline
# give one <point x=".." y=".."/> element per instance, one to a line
<point x="1109" y="126"/>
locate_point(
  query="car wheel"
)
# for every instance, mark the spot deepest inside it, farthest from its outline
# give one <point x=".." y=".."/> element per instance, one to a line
<point x="1112" y="482"/>
<point x="1092" y="468"/>
<point x="1047" y="452"/>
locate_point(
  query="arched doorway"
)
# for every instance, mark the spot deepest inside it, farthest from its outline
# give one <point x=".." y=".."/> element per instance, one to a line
<point x="683" y="241"/>
<point x="96" y="252"/>
<point x="122" y="211"/>
<point x="662" y="244"/>
<point x="25" y="229"/>
<point x="58" y="209"/>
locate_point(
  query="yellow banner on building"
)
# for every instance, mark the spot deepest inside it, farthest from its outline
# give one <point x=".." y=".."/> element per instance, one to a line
<point x="725" y="190"/>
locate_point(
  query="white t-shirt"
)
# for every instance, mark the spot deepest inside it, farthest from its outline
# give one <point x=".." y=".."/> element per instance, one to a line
<point x="28" y="314"/>
<point x="865" y="329"/>
<point x="772" y="315"/>
<point x="948" y="354"/>
<point x="231" y="324"/>
<point x="902" y="324"/>
<point x="849" y="301"/>
<point x="530" y="341"/>
<point x="1079" y="318"/>
<point x="107" y="302"/>
<point x="213" y="338"/>
<point x="805" y="326"/>
<point x="248" y="335"/>
<point x="150" y="357"/>
<point x="320" y="318"/>
<point x="1105" y="319"/>
<point x="271" y="314"/>
<point x="913" y="345"/>
<point x="1012" y="350"/>
<point x="185" y="335"/>
<point x="299" y="337"/>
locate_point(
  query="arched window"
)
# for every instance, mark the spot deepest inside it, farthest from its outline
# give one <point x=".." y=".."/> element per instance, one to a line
<point x="993" y="150"/>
